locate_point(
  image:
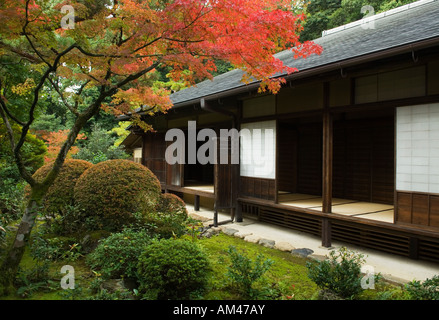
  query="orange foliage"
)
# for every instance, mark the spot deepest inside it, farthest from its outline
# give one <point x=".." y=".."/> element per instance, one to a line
<point x="54" y="141"/>
<point x="133" y="37"/>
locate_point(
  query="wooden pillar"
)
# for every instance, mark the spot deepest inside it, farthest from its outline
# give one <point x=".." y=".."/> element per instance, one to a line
<point x="326" y="233"/>
<point x="327" y="163"/>
<point x="144" y="149"/>
<point x="327" y="170"/>
<point x="197" y="202"/>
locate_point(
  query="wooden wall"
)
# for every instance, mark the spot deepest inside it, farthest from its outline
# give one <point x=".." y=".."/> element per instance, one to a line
<point x="300" y="157"/>
<point x="153" y="154"/>
<point x="287" y="139"/>
<point x="363" y="164"/>
<point x="258" y="188"/>
<point x="309" y="161"/>
<point x="417" y="208"/>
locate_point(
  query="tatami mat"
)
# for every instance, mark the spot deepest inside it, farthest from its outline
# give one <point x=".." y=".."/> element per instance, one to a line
<point x="385" y="216"/>
<point x="360" y="209"/>
<point x="204" y="188"/>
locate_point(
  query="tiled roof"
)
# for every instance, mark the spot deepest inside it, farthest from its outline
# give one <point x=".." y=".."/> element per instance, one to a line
<point x="399" y="27"/>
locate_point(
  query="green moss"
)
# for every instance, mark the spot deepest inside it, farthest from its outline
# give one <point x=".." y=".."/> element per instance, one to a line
<point x="286" y="277"/>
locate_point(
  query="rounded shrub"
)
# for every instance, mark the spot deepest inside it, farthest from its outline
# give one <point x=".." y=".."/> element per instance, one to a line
<point x="60" y="194"/>
<point x="117" y="255"/>
<point x="172" y="269"/>
<point x="112" y="191"/>
<point x="167" y="217"/>
<point x="340" y="274"/>
<point x="171" y="203"/>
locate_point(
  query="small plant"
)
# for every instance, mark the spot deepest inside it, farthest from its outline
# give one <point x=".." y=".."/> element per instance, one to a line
<point x="117" y="255"/>
<point x="56" y="248"/>
<point x="426" y="290"/>
<point x="341" y="273"/>
<point x="34" y="280"/>
<point x="245" y="272"/>
<point x="172" y="269"/>
<point x="194" y="228"/>
<point x="165" y="216"/>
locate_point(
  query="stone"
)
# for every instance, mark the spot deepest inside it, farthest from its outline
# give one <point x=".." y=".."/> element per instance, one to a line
<point x="113" y="285"/>
<point x="230" y="231"/>
<point x="209" y="232"/>
<point x="302" y="252"/>
<point x="198" y="217"/>
<point x="267" y="243"/>
<point x="317" y="257"/>
<point x="284" y="246"/>
<point x="328" y="295"/>
<point x="252" y="238"/>
<point x="241" y="234"/>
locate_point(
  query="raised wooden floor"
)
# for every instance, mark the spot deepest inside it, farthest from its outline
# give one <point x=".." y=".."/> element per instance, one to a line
<point x="353" y="208"/>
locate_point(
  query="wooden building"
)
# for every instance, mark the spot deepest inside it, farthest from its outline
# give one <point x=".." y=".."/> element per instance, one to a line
<point x="355" y="152"/>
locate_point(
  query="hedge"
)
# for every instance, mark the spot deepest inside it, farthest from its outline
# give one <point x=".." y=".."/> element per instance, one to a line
<point x="113" y="191"/>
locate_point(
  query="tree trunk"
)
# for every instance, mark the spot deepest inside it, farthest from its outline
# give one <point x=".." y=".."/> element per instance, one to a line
<point x="9" y="267"/>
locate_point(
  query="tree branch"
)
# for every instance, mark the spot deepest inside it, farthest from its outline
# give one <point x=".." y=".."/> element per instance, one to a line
<point x="22" y="54"/>
<point x="9" y="114"/>
<point x="25" y="128"/>
<point x="19" y="160"/>
<point x="71" y="108"/>
<point x="132" y="77"/>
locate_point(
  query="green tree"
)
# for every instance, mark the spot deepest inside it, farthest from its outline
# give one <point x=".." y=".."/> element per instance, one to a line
<point x="100" y="146"/>
<point x="108" y="62"/>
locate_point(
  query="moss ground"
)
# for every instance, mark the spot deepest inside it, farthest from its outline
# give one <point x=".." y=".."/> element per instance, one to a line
<point x="286" y="279"/>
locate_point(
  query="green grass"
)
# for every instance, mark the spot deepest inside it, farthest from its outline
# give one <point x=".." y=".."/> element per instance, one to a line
<point x="286" y="279"/>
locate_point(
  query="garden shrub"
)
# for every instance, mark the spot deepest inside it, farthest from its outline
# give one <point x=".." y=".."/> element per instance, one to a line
<point x="172" y="269"/>
<point x="60" y="193"/>
<point x="113" y="190"/>
<point x="426" y="290"/>
<point x="44" y="248"/>
<point x="11" y="207"/>
<point x="165" y="218"/>
<point x="33" y="280"/>
<point x="245" y="272"/>
<point x="117" y="256"/>
<point x="169" y="202"/>
<point x="341" y="273"/>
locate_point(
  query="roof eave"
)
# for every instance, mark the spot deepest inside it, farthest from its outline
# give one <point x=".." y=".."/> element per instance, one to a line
<point x="410" y="47"/>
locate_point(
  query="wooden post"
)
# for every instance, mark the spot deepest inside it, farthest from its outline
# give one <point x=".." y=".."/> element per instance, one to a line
<point x="326" y="233"/>
<point x="327" y="170"/>
<point x="327" y="163"/>
<point x="144" y="149"/>
<point x="414" y="248"/>
<point x="197" y="202"/>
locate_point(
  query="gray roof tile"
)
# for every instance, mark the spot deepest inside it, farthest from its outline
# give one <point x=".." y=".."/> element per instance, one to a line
<point x="405" y="27"/>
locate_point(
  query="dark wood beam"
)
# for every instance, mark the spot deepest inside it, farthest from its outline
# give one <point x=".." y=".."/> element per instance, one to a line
<point x="327" y="168"/>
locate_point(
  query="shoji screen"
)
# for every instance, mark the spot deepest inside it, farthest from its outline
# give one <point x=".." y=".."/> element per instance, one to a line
<point x="417" y="148"/>
<point x="258" y="149"/>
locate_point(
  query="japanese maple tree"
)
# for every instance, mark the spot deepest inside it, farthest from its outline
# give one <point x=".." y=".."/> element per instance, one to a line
<point x="112" y="48"/>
